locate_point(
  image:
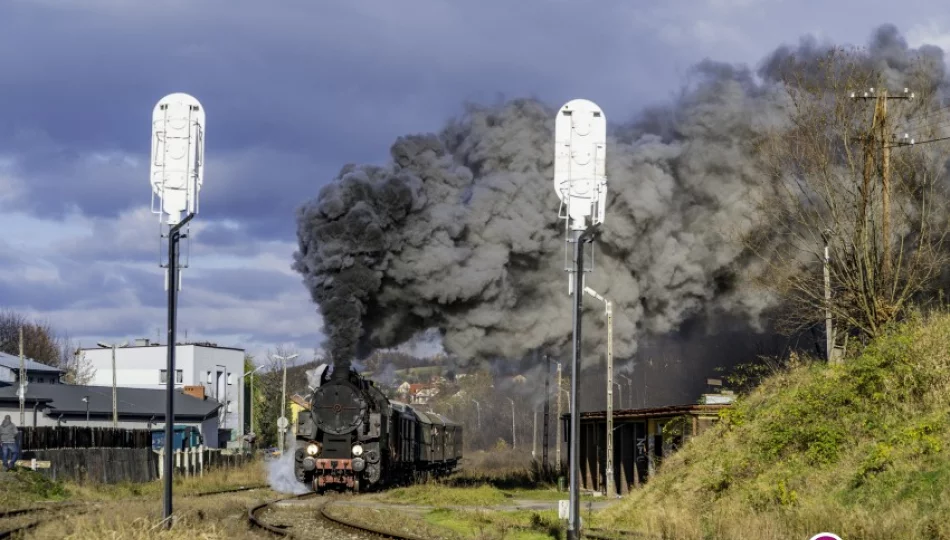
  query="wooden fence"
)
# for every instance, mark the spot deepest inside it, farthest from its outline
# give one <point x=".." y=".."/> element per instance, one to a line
<point x="197" y="460"/>
<point x="50" y="438"/>
<point x="115" y="465"/>
<point x="98" y="465"/>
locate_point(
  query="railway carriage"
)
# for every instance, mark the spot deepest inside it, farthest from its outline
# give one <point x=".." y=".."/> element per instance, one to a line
<point x="354" y="438"/>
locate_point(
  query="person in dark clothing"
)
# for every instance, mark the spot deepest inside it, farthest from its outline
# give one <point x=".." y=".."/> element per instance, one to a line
<point x="8" y="440"/>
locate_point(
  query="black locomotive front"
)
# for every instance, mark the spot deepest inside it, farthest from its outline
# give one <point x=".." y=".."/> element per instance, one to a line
<point x="339" y="441"/>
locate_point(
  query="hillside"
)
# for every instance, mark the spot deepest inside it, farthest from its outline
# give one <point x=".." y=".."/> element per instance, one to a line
<point x="861" y="450"/>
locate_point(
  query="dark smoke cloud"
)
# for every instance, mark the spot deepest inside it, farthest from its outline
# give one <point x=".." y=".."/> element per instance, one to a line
<point x="460" y="230"/>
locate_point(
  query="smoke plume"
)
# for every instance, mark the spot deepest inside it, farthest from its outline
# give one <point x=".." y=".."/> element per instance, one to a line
<point x="460" y="231"/>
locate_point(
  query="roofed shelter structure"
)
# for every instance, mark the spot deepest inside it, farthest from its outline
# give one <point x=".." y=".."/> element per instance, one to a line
<point x="91" y="406"/>
<point x="35" y="371"/>
<point x="641" y="438"/>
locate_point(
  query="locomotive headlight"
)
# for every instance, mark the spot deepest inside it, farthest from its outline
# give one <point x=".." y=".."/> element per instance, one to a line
<point x="313" y="449"/>
<point x="357" y="450"/>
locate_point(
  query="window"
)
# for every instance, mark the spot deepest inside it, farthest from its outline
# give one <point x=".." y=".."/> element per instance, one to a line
<point x="230" y="379"/>
<point x="179" y="376"/>
<point x="210" y="380"/>
<point x="229" y="407"/>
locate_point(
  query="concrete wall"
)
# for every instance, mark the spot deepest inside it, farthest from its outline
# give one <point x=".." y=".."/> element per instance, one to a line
<point x="140" y="367"/>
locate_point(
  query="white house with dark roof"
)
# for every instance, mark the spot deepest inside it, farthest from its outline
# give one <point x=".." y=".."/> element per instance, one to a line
<point x="35" y="371"/>
<point x="138" y="408"/>
<point x="143" y="364"/>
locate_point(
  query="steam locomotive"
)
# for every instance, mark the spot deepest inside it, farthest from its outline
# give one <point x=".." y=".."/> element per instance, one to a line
<point x="355" y="439"/>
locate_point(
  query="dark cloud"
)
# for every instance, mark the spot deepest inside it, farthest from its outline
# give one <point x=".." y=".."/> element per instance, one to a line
<point x="460" y="230"/>
<point x="288" y="89"/>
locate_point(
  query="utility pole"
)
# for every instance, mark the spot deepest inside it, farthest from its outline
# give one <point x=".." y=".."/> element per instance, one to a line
<point x="534" y="435"/>
<point x="829" y="327"/>
<point x="115" y="400"/>
<point x="22" y="382"/>
<point x="547" y="409"/>
<point x="609" y="466"/>
<point x="514" y="442"/>
<point x="878" y="134"/>
<point x="282" y="421"/>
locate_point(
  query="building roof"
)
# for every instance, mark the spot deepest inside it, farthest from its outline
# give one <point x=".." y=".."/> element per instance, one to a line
<point x="654" y="412"/>
<point x="13" y="362"/>
<point x="150" y="345"/>
<point x="301" y="401"/>
<point x="141" y="402"/>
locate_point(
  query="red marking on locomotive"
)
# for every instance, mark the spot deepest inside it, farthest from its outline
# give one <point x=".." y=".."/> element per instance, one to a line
<point x="335" y="471"/>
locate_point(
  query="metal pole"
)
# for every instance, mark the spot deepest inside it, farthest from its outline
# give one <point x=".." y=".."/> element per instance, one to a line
<point x="829" y="330"/>
<point x="283" y="404"/>
<point x="574" y="525"/>
<point x="174" y="235"/>
<point x="252" y="403"/>
<point x="610" y="403"/>
<point x="557" y="424"/>
<point x="22" y="382"/>
<point x="115" y="400"/>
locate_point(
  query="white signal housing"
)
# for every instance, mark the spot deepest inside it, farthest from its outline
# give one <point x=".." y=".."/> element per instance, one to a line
<point x="177" y="167"/>
<point x="580" y="163"/>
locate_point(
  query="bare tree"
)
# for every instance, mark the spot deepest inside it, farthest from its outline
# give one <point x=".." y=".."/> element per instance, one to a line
<point x="831" y="183"/>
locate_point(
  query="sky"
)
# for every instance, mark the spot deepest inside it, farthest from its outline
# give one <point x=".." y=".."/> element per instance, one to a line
<point x="293" y="90"/>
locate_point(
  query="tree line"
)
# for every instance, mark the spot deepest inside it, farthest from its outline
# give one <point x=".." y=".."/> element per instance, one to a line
<point x="44" y="344"/>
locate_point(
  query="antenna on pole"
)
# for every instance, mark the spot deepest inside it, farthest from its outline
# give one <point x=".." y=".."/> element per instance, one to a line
<point x="176" y="175"/>
<point x="580" y="181"/>
<point x="580" y="170"/>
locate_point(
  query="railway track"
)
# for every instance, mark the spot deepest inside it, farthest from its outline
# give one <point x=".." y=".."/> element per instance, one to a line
<point x="256" y="520"/>
<point x="15" y="523"/>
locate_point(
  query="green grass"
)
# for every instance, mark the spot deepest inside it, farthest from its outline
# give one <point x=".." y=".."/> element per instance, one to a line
<point x="516" y="525"/>
<point x="860" y="450"/>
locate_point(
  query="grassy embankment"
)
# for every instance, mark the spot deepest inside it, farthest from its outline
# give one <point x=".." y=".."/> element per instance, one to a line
<point x="133" y="511"/>
<point x="861" y="450"/>
<point x="489" y="484"/>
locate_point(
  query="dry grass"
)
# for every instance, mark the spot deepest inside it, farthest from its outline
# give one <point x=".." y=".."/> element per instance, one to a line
<point x="859" y="450"/>
<point x="133" y="512"/>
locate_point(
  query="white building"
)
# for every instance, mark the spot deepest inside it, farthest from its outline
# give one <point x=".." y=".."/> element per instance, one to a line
<point x="143" y="365"/>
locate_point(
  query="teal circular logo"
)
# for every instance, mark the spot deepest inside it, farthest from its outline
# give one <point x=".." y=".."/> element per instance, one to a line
<point x="825" y="536"/>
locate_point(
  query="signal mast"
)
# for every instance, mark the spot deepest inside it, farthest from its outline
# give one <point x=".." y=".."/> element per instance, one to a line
<point x="580" y="181"/>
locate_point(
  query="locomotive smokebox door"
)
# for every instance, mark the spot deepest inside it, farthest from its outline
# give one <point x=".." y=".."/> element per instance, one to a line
<point x="339" y="408"/>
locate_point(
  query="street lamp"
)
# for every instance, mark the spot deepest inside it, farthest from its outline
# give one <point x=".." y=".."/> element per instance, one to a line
<point x="243" y="378"/>
<point x="224" y="383"/>
<point x="115" y="400"/>
<point x="282" y="421"/>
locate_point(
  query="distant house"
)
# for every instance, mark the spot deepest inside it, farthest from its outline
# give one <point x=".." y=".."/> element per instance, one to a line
<point x="35" y="371"/>
<point x="298" y="403"/>
<point x="421" y="393"/>
<point x="138" y="408"/>
<point x="403" y="389"/>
